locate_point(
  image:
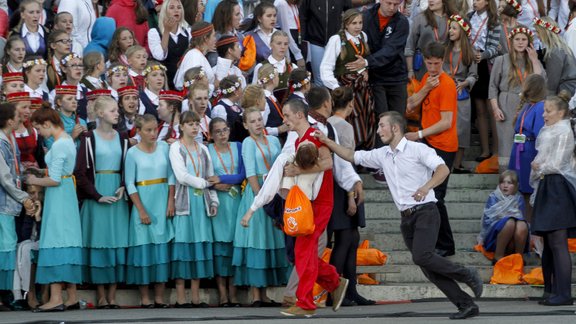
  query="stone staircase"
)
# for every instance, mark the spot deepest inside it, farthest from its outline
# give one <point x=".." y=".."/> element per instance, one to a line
<point x="399" y="278"/>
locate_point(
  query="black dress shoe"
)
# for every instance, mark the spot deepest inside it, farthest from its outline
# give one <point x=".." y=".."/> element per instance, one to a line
<point x="475" y="283"/>
<point x="200" y="305"/>
<point x="103" y="306"/>
<point x="113" y="306"/>
<point x="226" y="304"/>
<point x="256" y="303"/>
<point x="361" y="301"/>
<point x="348" y="302"/>
<point x="547" y="302"/>
<point x="185" y="305"/>
<point x="466" y="312"/>
<point x="444" y="253"/>
<point x="161" y="305"/>
<point x="59" y="308"/>
<point x="482" y="158"/>
<point x="147" y="306"/>
<point x="75" y="306"/>
<point x="460" y="170"/>
<point x="234" y="304"/>
<point x="271" y="303"/>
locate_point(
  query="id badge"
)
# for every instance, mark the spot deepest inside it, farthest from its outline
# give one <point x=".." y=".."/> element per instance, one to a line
<point x="198" y="192"/>
<point x="233" y="192"/>
<point x="18" y="183"/>
<point x="519" y="138"/>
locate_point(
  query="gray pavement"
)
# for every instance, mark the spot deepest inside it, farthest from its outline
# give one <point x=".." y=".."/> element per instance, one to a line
<point x="500" y="311"/>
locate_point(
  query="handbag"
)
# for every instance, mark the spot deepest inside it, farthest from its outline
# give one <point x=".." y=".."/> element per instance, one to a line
<point x="463" y="94"/>
<point x="417" y="61"/>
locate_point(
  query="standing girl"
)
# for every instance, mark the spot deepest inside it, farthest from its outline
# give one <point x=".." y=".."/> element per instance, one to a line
<point x="459" y="63"/>
<point x="288" y="17"/>
<point x="11" y="83"/>
<point x="128" y="105"/>
<point x="554" y="182"/>
<point x="32" y="32"/>
<point x="150" y="184"/>
<point x="12" y="195"/>
<point x="274" y="121"/>
<point x="341" y="49"/>
<point x="94" y="67"/>
<point x="116" y="78"/>
<point x="60" y="258"/>
<point x="229" y="53"/>
<point x="73" y="70"/>
<point x="155" y="81"/>
<point x="137" y="61"/>
<point x="31" y="153"/>
<point x="34" y="69"/>
<point x="122" y="39"/>
<point x="198" y="102"/>
<point x="14" y="54"/>
<point x="228" y="175"/>
<point x="228" y="108"/>
<point x="259" y="255"/>
<point x="278" y="59"/>
<point x="104" y="212"/>
<point x="257" y="42"/>
<point x="59" y="45"/>
<point x="508" y="10"/>
<point x="203" y="41"/>
<point x="506" y="80"/>
<point x="169" y="111"/>
<point x="192" y="256"/>
<point x="66" y="104"/>
<point x="485" y="38"/>
<point x="299" y="84"/>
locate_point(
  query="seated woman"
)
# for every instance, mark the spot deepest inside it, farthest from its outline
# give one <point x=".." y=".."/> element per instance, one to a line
<point x="504" y="229"/>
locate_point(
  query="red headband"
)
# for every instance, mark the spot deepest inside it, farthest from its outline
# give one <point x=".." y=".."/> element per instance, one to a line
<point x="66" y="90"/>
<point x="129" y="90"/>
<point x="203" y="31"/>
<point x="226" y="41"/>
<point x="11" y="77"/>
<point x="92" y="95"/>
<point x="18" y="97"/>
<point x="170" y="95"/>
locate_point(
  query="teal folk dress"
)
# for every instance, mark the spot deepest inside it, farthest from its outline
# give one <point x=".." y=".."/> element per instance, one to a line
<point x="229" y="167"/>
<point x="8" y="241"/>
<point x="105" y="226"/>
<point x="192" y="256"/>
<point x="60" y="248"/>
<point x="259" y="258"/>
<point x="149" y="175"/>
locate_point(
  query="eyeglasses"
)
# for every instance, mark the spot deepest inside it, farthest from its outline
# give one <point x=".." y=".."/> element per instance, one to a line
<point x="77" y="66"/>
<point x="222" y="131"/>
<point x="64" y="41"/>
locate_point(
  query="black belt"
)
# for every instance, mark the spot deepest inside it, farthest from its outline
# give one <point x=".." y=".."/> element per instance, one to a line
<point x="410" y="211"/>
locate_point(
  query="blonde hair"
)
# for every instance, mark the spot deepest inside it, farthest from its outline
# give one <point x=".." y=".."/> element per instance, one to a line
<point x="513" y="78"/>
<point x="162" y="15"/>
<point x="133" y="49"/>
<point x="513" y="177"/>
<point x="90" y="61"/>
<point x="347" y="17"/>
<point x="252" y="95"/>
<point x="551" y="40"/>
<point x="103" y="102"/>
<point x="248" y="111"/>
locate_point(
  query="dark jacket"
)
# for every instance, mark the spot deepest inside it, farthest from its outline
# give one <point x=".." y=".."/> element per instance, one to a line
<point x="85" y="170"/>
<point x="320" y="19"/>
<point x="386" y="64"/>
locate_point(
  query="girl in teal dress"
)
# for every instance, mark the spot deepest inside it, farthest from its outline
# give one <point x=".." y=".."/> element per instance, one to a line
<point x="195" y="205"/>
<point x="229" y="174"/>
<point x="151" y="185"/>
<point x="60" y="248"/>
<point x="104" y="212"/>
<point x="11" y="195"/>
<point x="259" y="257"/>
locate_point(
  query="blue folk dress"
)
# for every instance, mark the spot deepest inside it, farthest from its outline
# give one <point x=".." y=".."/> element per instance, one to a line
<point x="229" y="167"/>
<point x="105" y="226"/>
<point x="191" y="251"/>
<point x="149" y="175"/>
<point x="259" y="258"/>
<point x="60" y="248"/>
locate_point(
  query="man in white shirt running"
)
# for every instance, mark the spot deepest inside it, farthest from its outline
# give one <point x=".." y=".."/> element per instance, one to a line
<point x="412" y="170"/>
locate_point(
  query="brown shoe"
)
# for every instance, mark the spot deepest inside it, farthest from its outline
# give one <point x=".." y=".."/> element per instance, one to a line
<point x="339" y="293"/>
<point x="289" y="301"/>
<point x="298" y="312"/>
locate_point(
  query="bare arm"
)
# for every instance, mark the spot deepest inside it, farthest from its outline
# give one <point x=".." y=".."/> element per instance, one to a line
<point x="416" y="99"/>
<point x="144" y="218"/>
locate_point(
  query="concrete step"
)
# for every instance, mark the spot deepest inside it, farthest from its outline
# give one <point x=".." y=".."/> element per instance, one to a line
<point x="415" y="291"/>
<point x="463" y="210"/>
<point x="385" y="226"/>
<point x="395" y="242"/>
<point x="412" y="273"/>
<point x="477" y="181"/>
<point x="453" y="195"/>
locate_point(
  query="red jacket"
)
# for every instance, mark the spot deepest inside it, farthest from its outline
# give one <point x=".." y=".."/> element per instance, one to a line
<point x="123" y="12"/>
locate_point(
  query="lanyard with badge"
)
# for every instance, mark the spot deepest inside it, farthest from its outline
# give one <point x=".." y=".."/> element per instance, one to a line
<point x="520" y="138"/>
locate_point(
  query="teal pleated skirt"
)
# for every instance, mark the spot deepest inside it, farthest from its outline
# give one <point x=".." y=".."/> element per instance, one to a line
<point x="192" y="261"/>
<point x="7" y="266"/>
<point x="223" y="252"/>
<point x="105" y="266"/>
<point x="148" y="263"/>
<point x="60" y="265"/>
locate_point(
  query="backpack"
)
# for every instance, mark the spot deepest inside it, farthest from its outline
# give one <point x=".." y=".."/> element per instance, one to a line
<point x="298" y="213"/>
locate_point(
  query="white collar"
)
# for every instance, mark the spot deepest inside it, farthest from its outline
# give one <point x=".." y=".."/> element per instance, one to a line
<point x="269" y="93"/>
<point x="25" y="30"/>
<point x="259" y="30"/>
<point x="401" y="147"/>
<point x="275" y="62"/>
<point x="95" y="81"/>
<point x="133" y="73"/>
<point x="299" y="94"/>
<point x="482" y="15"/>
<point x="151" y="95"/>
<point x="228" y="101"/>
<point x="353" y="38"/>
<point x="180" y="31"/>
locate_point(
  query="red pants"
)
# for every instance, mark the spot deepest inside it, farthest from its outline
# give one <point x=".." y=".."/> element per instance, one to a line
<point x="309" y="266"/>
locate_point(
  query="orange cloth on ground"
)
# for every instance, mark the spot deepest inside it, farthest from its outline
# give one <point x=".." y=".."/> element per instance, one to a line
<point x="509" y="270"/>
<point x="488" y="166"/>
<point x="534" y="277"/>
<point x="480" y="248"/>
<point x="443" y="98"/>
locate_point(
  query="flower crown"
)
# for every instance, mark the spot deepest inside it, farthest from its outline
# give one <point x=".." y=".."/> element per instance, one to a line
<point x="515" y="4"/>
<point x="551" y="27"/>
<point x="31" y="63"/>
<point x="116" y="69"/>
<point x="521" y="30"/>
<point x="189" y="83"/>
<point x="64" y="61"/>
<point x="230" y="90"/>
<point x="300" y="84"/>
<point x="268" y="78"/>
<point x="465" y="26"/>
<point x="155" y="67"/>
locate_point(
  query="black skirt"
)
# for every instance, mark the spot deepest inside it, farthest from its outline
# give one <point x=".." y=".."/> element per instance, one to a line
<point x="480" y="89"/>
<point x="340" y="220"/>
<point x="554" y="206"/>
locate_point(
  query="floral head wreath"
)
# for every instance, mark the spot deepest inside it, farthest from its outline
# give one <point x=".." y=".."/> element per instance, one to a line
<point x="465" y="26"/>
<point x="268" y="78"/>
<point x="155" y="67"/>
<point x="300" y="84"/>
<point x="116" y="69"/>
<point x="515" y="4"/>
<point x="189" y="83"/>
<point x="544" y="24"/>
<point x="230" y="90"/>
<point x="31" y="63"/>
<point x="521" y="30"/>
<point x="64" y="61"/>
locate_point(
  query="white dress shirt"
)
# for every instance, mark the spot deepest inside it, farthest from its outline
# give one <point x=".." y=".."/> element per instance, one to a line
<point x="164" y="131"/>
<point x="220" y="111"/>
<point x="407" y="169"/>
<point x="225" y="67"/>
<point x="153" y="98"/>
<point x="33" y="39"/>
<point x="331" y="53"/>
<point x="155" y="41"/>
<point x="192" y="59"/>
<point x="343" y="171"/>
<point x="34" y="93"/>
<point x="280" y="66"/>
<point x="286" y="20"/>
